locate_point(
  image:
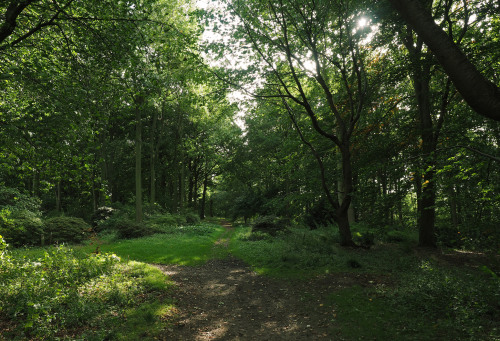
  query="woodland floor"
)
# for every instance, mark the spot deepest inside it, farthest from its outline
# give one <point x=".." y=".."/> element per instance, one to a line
<point x="225" y="300"/>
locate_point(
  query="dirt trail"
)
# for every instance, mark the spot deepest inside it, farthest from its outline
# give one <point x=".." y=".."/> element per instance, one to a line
<point x="226" y="300"/>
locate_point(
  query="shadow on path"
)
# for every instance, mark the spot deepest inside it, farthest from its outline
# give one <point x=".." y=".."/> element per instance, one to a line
<point x="225" y="300"/>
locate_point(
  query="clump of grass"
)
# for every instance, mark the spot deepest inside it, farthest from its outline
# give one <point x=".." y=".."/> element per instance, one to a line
<point x="69" y="294"/>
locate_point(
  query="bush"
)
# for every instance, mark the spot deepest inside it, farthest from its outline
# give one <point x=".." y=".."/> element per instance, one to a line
<point x="166" y="219"/>
<point x="66" y="230"/>
<point x="192" y="218"/>
<point x="267" y="224"/>
<point x="13" y="199"/>
<point x="101" y="214"/>
<point x="21" y="227"/>
<point x="128" y="229"/>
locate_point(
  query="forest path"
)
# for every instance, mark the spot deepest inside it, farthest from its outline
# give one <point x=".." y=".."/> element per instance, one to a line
<point x="225" y="300"/>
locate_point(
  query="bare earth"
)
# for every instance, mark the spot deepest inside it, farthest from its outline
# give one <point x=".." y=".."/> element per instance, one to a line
<point x="226" y="300"/>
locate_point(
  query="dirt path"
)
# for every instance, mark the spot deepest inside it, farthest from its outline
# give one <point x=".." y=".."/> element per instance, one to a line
<point x="225" y="300"/>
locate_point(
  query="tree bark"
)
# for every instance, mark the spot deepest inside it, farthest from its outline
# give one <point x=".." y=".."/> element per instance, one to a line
<point x="481" y="94"/>
<point x="138" y="159"/>
<point x="58" y="196"/>
<point x="204" y="196"/>
<point x="342" y="214"/>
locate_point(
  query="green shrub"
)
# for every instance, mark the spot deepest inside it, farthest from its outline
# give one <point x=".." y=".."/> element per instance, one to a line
<point x="267" y="224"/>
<point x="15" y="200"/>
<point x="128" y="229"/>
<point x="21" y="227"/>
<point x="167" y="219"/>
<point x="63" y="290"/>
<point x="397" y="236"/>
<point x="66" y="230"/>
<point x="101" y="214"/>
<point x="3" y="246"/>
<point x="192" y="218"/>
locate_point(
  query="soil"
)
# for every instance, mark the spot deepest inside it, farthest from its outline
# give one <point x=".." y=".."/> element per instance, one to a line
<point x="225" y="300"/>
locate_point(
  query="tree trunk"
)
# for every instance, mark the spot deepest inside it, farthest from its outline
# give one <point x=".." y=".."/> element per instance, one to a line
<point x="138" y="158"/>
<point x="58" y="196"/>
<point x="453" y="207"/>
<point x="204" y="196"/>
<point x="481" y="94"/>
<point x="428" y="197"/>
<point x="153" y="158"/>
<point x="342" y="218"/>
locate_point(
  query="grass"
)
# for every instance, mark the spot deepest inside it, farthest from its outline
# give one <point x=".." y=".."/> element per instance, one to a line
<point x="75" y="293"/>
<point x="190" y="245"/>
<point x="301" y="253"/>
<point x="426" y="300"/>
<point x="67" y="294"/>
<point x="58" y="292"/>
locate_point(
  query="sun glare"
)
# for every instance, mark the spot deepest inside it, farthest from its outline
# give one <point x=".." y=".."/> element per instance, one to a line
<point x="362" y="22"/>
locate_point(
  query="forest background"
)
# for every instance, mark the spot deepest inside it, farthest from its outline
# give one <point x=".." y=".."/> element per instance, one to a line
<point x="343" y="116"/>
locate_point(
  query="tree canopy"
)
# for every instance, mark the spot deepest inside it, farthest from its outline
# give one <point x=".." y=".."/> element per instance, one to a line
<point x="317" y="113"/>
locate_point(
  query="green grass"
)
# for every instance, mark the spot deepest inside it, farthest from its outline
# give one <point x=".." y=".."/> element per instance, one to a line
<point x="57" y="292"/>
<point x="191" y="245"/>
<point x="67" y="294"/>
<point x="301" y="253"/>
<point x="426" y="300"/>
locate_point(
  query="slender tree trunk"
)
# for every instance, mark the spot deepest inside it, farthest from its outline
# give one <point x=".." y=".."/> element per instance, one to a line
<point x="153" y="158"/>
<point x="95" y="193"/>
<point x="341" y="193"/>
<point x="204" y="196"/>
<point x="138" y="159"/>
<point x="428" y="199"/>
<point x="190" y="183"/>
<point x="453" y="207"/>
<point x="58" y="196"/>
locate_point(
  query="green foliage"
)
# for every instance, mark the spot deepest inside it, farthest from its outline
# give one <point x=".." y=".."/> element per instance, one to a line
<point x="3" y="246"/>
<point x="100" y="215"/>
<point x="268" y="224"/>
<point x="64" y="292"/>
<point x="21" y="227"/>
<point x="165" y="222"/>
<point x="66" y="230"/>
<point x="128" y="229"/>
<point x="461" y="304"/>
<point x="16" y="201"/>
<point x="192" y="218"/>
<point x="20" y="221"/>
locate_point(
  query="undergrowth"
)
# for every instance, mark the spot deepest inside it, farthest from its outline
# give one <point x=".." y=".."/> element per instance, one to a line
<point x="67" y="294"/>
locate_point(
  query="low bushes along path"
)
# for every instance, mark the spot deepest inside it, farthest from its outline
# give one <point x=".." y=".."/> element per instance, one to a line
<point x="226" y="300"/>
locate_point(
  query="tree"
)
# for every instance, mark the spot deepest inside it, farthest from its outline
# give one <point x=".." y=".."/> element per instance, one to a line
<point x="480" y="93"/>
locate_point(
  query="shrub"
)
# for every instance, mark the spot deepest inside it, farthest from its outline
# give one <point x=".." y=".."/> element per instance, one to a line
<point x="12" y="198"/>
<point x="192" y="218"/>
<point x="128" y="229"/>
<point x="21" y="227"/>
<point x="3" y="246"/>
<point x="166" y="219"/>
<point x="101" y="214"/>
<point x="66" y="230"/>
<point x="267" y="224"/>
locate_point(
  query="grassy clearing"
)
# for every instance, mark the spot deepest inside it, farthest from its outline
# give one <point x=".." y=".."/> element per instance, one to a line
<point x="184" y="245"/>
<point x="75" y="293"/>
<point x="426" y="300"/>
